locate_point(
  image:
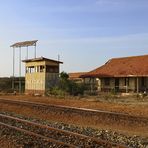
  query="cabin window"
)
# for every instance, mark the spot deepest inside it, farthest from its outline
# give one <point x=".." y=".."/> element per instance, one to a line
<point x="30" y="69"/>
<point x="41" y="68"/>
<point x="107" y="81"/>
<point x="52" y="69"/>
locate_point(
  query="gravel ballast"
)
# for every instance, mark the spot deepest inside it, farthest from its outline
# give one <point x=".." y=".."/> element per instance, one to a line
<point x="130" y="141"/>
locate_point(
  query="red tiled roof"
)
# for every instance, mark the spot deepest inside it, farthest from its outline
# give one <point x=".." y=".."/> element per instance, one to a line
<point x="76" y="75"/>
<point x="122" y="67"/>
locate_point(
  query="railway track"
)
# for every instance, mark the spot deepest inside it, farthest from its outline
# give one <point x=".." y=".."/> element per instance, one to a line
<point x="98" y="115"/>
<point x="54" y="137"/>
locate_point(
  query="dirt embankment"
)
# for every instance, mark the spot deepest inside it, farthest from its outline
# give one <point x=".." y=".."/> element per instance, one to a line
<point x="132" y="106"/>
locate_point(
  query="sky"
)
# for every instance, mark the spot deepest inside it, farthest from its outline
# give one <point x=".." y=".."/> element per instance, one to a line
<point x="85" y="33"/>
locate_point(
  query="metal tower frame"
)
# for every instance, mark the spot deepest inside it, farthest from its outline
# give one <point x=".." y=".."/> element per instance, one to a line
<point x="20" y="45"/>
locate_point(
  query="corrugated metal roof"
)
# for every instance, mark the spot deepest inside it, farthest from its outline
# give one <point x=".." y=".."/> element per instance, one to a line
<point x="40" y="59"/>
<point x="122" y="67"/>
<point x="24" y="44"/>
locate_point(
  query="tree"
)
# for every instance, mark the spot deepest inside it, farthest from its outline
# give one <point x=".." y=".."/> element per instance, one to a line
<point x="64" y="76"/>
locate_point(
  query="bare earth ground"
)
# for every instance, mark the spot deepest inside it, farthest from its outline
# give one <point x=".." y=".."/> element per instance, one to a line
<point x="130" y="105"/>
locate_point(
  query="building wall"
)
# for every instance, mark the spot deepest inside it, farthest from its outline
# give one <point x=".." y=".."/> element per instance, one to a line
<point x="143" y="84"/>
<point x="98" y="83"/>
<point x="147" y="82"/>
<point x="51" y="80"/>
<point x="129" y="86"/>
<point x="132" y="84"/>
<point x="51" y="63"/>
<point x="123" y="86"/>
<point x="93" y="83"/>
<point x="86" y="80"/>
<point x="35" y="63"/>
<point x="37" y="80"/>
<point x="109" y="87"/>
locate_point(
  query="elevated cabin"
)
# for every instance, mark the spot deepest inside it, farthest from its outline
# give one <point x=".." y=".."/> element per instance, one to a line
<point x="127" y="74"/>
<point x="41" y="74"/>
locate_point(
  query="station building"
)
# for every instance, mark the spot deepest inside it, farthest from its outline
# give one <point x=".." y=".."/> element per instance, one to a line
<point x="125" y="74"/>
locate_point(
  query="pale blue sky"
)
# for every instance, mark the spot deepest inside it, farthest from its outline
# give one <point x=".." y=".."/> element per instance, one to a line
<point x="86" y="33"/>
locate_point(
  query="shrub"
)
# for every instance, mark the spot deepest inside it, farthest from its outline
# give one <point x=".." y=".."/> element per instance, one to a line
<point x="66" y="86"/>
<point x="56" y="92"/>
<point x="76" y="88"/>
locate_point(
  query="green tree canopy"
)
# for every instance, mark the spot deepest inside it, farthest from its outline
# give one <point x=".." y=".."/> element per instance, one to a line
<point x="64" y="76"/>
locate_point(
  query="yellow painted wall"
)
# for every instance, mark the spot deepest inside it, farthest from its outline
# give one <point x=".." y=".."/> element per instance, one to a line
<point x="40" y="80"/>
<point x="35" y="63"/>
<point x="35" y="81"/>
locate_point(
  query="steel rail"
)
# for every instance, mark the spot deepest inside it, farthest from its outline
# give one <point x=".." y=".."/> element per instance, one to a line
<point x="37" y="135"/>
<point x="80" y="137"/>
